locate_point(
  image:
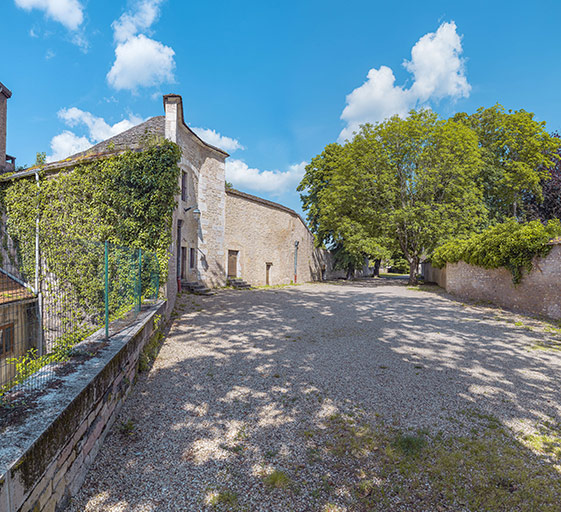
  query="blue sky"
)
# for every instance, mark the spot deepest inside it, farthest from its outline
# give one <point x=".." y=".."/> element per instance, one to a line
<point x="271" y="82"/>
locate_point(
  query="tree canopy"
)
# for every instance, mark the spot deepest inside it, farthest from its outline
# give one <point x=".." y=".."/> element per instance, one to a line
<point x="412" y="184"/>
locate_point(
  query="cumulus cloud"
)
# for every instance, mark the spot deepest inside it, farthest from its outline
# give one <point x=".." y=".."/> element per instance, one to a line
<point x="214" y="138"/>
<point x="271" y="182"/>
<point x="139" y="60"/>
<point x="67" y="143"/>
<point x="68" y="12"/>
<point x="438" y="72"/>
<point x="131" y="23"/>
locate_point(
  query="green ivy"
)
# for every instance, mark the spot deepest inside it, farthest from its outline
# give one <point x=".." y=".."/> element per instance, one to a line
<point x="511" y="245"/>
<point x="127" y="199"/>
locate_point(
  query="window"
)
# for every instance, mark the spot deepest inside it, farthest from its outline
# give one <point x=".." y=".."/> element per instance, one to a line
<point x="184" y="192"/>
<point x="192" y="258"/>
<point x="6" y="339"/>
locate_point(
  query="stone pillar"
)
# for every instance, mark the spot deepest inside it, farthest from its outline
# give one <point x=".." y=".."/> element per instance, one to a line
<point x="4" y="95"/>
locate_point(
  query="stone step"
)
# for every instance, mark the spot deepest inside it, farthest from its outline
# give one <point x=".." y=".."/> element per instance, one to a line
<point x="196" y="288"/>
<point x="238" y="283"/>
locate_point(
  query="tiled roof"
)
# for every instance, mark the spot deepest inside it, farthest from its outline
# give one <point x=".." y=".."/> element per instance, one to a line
<point x="130" y="139"/>
<point x="11" y="290"/>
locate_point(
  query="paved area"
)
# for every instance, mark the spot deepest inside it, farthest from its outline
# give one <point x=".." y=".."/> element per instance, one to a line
<point x="226" y="417"/>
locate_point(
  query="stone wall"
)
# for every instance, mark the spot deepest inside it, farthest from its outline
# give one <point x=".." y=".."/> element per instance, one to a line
<point x="538" y="293"/>
<point x="264" y="234"/>
<point x="434" y="275"/>
<point x="47" y="452"/>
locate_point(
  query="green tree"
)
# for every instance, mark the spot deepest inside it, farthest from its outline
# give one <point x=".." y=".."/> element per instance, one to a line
<point x="408" y="183"/>
<point x="41" y="158"/>
<point x="517" y="153"/>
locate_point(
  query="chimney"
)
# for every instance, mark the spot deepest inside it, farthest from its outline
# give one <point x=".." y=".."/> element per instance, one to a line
<point x="7" y="163"/>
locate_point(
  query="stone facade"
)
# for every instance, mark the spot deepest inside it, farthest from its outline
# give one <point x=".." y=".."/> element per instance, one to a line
<point x="199" y="219"/>
<point x="261" y="241"/>
<point x="538" y="293"/>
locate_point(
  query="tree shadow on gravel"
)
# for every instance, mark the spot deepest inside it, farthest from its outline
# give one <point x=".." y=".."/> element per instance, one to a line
<point x="237" y="412"/>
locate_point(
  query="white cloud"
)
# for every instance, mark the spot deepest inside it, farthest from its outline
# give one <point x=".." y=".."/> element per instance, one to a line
<point x="67" y="143"/>
<point x="98" y="128"/>
<point x="68" y="12"/>
<point x="139" y="60"/>
<point x="272" y="182"/>
<point x="213" y="138"/>
<point x="438" y="72"/>
<point x="130" y="24"/>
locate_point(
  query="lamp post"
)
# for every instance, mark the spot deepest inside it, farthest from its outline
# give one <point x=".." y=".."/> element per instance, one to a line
<point x="296" y="244"/>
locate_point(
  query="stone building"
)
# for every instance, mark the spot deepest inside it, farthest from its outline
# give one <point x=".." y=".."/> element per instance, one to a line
<point x="217" y="233"/>
<point x="7" y="162"/>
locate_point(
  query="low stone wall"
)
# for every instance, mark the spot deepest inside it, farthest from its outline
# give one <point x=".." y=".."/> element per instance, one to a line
<point x="538" y="293"/>
<point x="44" y="455"/>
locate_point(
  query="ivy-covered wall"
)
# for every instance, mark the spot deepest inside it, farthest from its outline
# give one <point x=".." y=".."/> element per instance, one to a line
<point x="126" y="199"/>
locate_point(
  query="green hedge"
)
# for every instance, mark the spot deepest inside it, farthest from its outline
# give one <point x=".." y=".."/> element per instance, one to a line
<point x="510" y="245"/>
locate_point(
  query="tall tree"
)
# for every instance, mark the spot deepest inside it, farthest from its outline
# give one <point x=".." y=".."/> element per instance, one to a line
<point x="408" y="182"/>
<point x="517" y="152"/>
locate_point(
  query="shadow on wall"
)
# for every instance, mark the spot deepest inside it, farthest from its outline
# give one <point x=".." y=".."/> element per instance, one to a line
<point x="250" y="377"/>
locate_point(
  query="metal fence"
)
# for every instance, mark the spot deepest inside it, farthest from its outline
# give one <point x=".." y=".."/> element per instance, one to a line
<point x="56" y="292"/>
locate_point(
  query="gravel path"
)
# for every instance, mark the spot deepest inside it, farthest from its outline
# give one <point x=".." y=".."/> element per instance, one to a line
<point x="244" y="379"/>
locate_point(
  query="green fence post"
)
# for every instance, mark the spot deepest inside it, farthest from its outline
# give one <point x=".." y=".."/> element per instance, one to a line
<point x="106" y="289"/>
<point x="157" y="277"/>
<point x="139" y="288"/>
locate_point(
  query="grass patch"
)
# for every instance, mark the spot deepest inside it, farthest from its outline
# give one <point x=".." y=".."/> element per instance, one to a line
<point x="547" y="440"/>
<point x="277" y="480"/>
<point x="222" y="498"/>
<point x="150" y="351"/>
<point x="410" y="445"/>
<point x="487" y="470"/>
<point x="127" y="428"/>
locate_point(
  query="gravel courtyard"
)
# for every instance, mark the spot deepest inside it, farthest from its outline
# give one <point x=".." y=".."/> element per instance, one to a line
<point x="338" y="397"/>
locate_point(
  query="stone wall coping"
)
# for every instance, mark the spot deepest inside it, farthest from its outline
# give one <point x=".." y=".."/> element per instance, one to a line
<point x="19" y="438"/>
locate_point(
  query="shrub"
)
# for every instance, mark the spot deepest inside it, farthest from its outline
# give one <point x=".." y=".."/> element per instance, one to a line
<point x="510" y="245"/>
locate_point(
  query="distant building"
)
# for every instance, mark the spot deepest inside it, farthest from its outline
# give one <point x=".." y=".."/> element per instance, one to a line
<point x="7" y="162"/>
<point x="18" y="324"/>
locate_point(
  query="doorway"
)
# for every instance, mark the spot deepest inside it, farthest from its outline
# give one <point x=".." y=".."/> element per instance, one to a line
<point x="268" y="273"/>
<point x="184" y="263"/>
<point x="233" y="263"/>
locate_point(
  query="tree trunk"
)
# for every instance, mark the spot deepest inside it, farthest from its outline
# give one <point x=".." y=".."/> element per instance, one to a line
<point x="413" y="266"/>
<point x="377" y="268"/>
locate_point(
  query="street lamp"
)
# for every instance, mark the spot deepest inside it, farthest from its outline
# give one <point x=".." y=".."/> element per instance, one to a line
<point x="196" y="212"/>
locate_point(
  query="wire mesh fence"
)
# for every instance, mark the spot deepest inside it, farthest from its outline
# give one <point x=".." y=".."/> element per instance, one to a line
<point x="59" y="291"/>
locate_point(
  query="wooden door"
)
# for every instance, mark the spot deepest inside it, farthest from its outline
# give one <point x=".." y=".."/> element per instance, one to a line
<point x="232" y="263"/>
